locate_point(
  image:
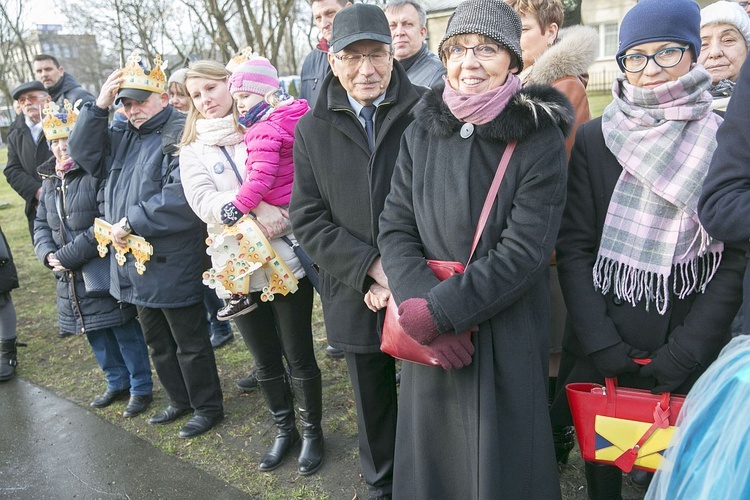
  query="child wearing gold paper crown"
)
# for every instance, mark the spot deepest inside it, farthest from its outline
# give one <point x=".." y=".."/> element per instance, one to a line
<point x="269" y="114"/>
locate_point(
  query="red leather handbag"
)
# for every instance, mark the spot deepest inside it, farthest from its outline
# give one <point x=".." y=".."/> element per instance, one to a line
<point x="394" y="340"/>
<point x="629" y="428"/>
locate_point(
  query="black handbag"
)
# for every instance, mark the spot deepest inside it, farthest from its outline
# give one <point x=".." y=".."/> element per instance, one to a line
<point x="96" y="277"/>
<point x="4" y="250"/>
<point x="311" y="268"/>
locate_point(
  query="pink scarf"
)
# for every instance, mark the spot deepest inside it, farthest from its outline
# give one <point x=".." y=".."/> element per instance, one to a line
<point x="479" y="109"/>
<point x="63" y="168"/>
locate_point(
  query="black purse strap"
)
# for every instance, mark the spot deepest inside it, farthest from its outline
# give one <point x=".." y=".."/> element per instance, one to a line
<point x="285" y="238"/>
<point x="231" y="162"/>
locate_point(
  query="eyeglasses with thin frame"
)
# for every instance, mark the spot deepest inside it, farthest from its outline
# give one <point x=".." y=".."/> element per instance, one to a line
<point x="665" y="58"/>
<point x="483" y="52"/>
<point x="743" y="4"/>
<point x="377" y="59"/>
<point x="23" y="99"/>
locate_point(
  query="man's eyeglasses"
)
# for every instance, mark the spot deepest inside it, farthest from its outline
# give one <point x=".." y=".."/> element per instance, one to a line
<point x="30" y="98"/>
<point x="483" y="52"/>
<point x="665" y="58"/>
<point x="743" y="4"/>
<point x="377" y="59"/>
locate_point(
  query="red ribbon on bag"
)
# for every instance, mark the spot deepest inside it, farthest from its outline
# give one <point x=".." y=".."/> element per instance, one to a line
<point x="661" y="421"/>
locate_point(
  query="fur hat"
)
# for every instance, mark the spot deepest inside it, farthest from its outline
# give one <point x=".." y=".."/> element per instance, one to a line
<point x="177" y="76"/>
<point x="492" y="18"/>
<point x="256" y="76"/>
<point x="661" y="21"/>
<point x="723" y="12"/>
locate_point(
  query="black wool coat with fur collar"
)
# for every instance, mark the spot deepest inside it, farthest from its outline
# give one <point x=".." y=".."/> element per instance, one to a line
<point x="448" y="444"/>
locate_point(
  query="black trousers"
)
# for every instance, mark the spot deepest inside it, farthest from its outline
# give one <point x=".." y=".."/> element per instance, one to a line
<point x="373" y="379"/>
<point x="183" y="357"/>
<point x="278" y="329"/>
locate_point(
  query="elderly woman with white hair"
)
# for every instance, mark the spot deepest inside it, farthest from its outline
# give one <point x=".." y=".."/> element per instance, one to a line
<point x="725" y="38"/>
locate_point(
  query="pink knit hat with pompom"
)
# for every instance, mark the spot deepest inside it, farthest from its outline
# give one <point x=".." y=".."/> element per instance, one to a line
<point x="256" y="76"/>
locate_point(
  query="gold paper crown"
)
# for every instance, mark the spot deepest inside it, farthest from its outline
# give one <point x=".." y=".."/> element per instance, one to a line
<point x="243" y="55"/>
<point x="58" y="124"/>
<point x="138" y="78"/>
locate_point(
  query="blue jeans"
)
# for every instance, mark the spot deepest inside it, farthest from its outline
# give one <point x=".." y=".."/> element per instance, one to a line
<point x="122" y="354"/>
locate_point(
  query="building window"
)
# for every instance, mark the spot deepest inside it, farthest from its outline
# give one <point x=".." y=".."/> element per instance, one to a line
<point x="608" y="40"/>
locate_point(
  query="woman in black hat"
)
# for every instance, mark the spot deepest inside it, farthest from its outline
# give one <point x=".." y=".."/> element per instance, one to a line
<point x="478" y="428"/>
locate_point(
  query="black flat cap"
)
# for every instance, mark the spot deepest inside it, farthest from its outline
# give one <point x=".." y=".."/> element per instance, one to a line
<point x="27" y="87"/>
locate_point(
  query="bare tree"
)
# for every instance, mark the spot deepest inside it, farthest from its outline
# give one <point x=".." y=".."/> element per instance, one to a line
<point x="15" y="55"/>
<point x="572" y="12"/>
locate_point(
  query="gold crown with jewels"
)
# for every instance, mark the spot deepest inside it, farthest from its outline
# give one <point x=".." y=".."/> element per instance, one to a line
<point x="136" y="77"/>
<point x="57" y="124"/>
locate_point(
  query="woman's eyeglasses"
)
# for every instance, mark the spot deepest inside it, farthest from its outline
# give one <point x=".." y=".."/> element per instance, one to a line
<point x="665" y="58"/>
<point x="483" y="52"/>
<point x="380" y="58"/>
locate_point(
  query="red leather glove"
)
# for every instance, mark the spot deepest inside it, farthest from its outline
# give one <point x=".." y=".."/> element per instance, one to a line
<point x="417" y="322"/>
<point x="452" y="351"/>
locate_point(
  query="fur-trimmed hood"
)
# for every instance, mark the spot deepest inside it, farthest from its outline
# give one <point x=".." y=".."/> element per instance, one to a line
<point x="533" y="108"/>
<point x="574" y="51"/>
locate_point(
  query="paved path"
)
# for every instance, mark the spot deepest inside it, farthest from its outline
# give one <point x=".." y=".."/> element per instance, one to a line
<point x="51" y="448"/>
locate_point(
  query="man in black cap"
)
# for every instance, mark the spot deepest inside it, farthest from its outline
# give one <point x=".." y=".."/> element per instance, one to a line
<point x="344" y="154"/>
<point x="144" y="196"/>
<point x="27" y="148"/>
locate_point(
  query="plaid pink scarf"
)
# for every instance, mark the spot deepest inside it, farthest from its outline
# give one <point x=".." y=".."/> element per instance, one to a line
<point x="664" y="139"/>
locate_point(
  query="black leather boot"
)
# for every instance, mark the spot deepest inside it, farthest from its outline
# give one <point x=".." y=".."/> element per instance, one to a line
<point x="604" y="481"/>
<point x="564" y="439"/>
<point x="8" y="359"/>
<point x="279" y="399"/>
<point x="309" y="396"/>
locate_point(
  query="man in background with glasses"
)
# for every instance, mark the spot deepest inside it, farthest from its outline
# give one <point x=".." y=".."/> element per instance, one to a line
<point x="746" y="6"/>
<point x="345" y="150"/>
<point x="27" y="148"/>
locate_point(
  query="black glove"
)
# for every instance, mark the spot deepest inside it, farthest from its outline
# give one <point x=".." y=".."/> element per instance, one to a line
<point x="617" y="359"/>
<point x="670" y="365"/>
<point x="230" y="214"/>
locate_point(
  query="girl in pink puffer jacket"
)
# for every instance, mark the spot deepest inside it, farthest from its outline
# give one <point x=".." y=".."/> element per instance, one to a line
<point x="269" y="114"/>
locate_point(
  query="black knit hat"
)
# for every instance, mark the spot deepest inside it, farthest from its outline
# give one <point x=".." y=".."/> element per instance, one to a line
<point x="492" y="18"/>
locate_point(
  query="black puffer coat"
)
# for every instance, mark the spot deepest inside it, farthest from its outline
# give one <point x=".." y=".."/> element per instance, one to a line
<point x="77" y="195"/>
<point x="8" y="274"/>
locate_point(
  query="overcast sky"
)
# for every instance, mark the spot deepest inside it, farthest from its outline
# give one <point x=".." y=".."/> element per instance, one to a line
<point x="44" y="12"/>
